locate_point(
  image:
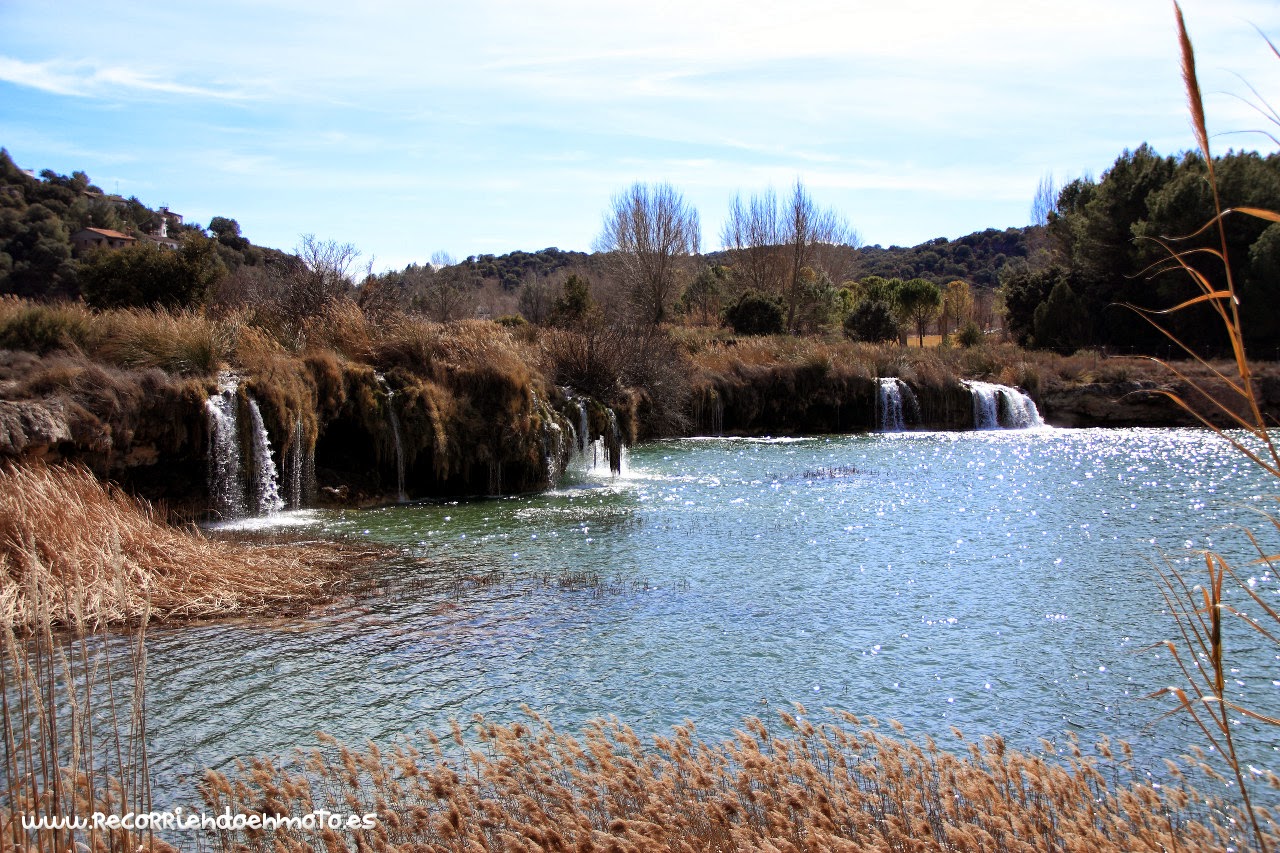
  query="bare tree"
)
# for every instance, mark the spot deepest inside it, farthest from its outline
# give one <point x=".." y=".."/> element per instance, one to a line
<point x="537" y="298"/>
<point x="1045" y="200"/>
<point x="649" y="230"/>
<point x="806" y="231"/>
<point x="753" y="237"/>
<point x="771" y="245"/>
<point x="444" y="291"/>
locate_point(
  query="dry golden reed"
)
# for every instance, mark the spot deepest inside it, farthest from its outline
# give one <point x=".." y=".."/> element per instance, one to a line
<point x="92" y="550"/>
<point x="840" y="785"/>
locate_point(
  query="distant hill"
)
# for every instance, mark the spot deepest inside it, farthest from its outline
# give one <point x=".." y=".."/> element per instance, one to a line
<point x="976" y="258"/>
<point x="514" y="267"/>
<point x="39" y="215"/>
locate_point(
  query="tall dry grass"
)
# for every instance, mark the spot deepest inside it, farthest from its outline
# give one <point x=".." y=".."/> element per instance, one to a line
<point x="74" y="738"/>
<point x="188" y="342"/>
<point x="74" y="551"/>
<point x="839" y="785"/>
<point x="1203" y="606"/>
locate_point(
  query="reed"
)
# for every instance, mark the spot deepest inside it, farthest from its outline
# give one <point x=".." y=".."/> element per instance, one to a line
<point x="837" y="784"/>
<point x="74" y="551"/>
<point x="1203" y="606"/>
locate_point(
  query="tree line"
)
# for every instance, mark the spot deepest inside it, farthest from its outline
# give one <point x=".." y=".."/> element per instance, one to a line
<point x="785" y="265"/>
<point x="1110" y="247"/>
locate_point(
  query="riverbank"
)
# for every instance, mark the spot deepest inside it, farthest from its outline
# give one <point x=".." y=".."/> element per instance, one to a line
<point x="220" y="416"/>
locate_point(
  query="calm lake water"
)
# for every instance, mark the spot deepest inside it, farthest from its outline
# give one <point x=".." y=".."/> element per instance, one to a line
<point x="996" y="581"/>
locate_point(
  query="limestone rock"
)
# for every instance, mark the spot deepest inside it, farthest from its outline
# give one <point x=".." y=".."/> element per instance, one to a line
<point x="32" y="428"/>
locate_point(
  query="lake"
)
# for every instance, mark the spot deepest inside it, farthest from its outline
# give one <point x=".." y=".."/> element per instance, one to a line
<point x="997" y="581"/>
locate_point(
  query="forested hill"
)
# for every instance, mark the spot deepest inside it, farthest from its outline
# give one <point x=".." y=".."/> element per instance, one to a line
<point x="976" y="258"/>
<point x="39" y="216"/>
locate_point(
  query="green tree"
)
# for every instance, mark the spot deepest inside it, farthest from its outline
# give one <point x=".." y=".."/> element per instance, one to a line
<point x="574" y="303"/>
<point x="1061" y="321"/>
<point x="919" y="302"/>
<point x="876" y="288"/>
<point x="227" y="232"/>
<point x="1260" y="295"/>
<point x="147" y="275"/>
<point x="755" y="314"/>
<point x="1022" y="289"/>
<point x="871" y="320"/>
<point x="957" y="306"/>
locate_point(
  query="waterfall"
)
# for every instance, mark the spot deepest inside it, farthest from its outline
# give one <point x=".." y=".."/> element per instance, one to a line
<point x="265" y="480"/>
<point x="1023" y="413"/>
<point x="243" y="479"/>
<point x="985" y="413"/>
<point x="393" y="417"/>
<point x="300" y="467"/>
<point x="708" y="412"/>
<point x="890" y="404"/>
<point x="226" y="487"/>
<point x="603" y="456"/>
<point x="990" y="401"/>
<point x="556" y="449"/>
<point x="616" y="450"/>
<point x="397" y="436"/>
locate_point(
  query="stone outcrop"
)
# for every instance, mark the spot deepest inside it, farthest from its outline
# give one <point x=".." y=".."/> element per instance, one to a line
<point x="33" y="429"/>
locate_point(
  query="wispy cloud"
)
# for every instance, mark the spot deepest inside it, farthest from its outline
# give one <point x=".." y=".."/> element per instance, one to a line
<point x="87" y="80"/>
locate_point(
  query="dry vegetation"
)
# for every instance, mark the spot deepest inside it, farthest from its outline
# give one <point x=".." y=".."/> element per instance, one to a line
<point x="834" y="786"/>
<point x="75" y="552"/>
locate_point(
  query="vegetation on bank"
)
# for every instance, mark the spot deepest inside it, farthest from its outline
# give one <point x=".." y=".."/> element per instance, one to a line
<point x="77" y="553"/>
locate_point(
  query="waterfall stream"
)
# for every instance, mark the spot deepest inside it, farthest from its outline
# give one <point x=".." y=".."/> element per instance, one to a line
<point x="999" y="406"/>
<point x="243" y="479"/>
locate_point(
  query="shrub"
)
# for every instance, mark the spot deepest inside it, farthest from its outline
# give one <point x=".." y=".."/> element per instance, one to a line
<point x="970" y="335"/>
<point x="755" y="314"/>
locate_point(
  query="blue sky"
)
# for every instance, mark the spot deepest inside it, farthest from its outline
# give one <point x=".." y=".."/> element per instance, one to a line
<point x="484" y="127"/>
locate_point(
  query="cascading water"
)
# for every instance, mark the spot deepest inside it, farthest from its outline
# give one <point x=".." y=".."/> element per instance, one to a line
<point x="300" y="467"/>
<point x="616" y="451"/>
<point x="242" y="475"/>
<point x="397" y="438"/>
<point x="265" y="482"/>
<point x="890" y="404"/>
<point x="556" y="449"/>
<point x="227" y="490"/>
<point x="1023" y="413"/>
<point x="986" y="415"/>
<point x="604" y="456"/>
<point x="584" y="427"/>
<point x="991" y="400"/>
